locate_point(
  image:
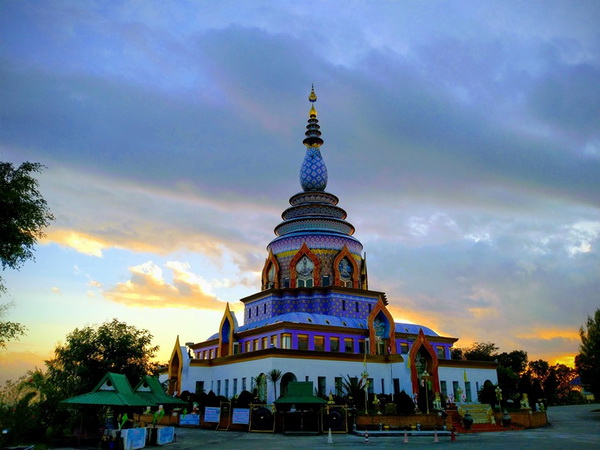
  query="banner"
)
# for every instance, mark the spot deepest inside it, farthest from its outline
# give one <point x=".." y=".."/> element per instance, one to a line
<point x="212" y="414"/>
<point x="134" y="438"/>
<point x="189" y="420"/>
<point x="241" y="416"/>
<point x="166" y="435"/>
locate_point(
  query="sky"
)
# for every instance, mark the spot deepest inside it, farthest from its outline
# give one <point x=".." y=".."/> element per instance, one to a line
<point x="462" y="138"/>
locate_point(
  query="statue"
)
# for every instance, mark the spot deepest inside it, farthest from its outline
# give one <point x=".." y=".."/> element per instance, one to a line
<point x="459" y="392"/>
<point x="525" y="402"/>
<point x="437" y="401"/>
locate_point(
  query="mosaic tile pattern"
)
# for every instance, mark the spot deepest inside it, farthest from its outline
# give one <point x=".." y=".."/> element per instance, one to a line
<point x="313" y="172"/>
<point x="334" y="225"/>
<point x="286" y="244"/>
<point x="314" y="197"/>
<point x="314" y="210"/>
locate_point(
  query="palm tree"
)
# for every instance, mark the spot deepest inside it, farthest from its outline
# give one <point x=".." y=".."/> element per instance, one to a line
<point x="274" y="376"/>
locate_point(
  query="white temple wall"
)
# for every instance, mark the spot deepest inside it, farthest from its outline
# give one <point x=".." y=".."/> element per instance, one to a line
<point x="455" y="377"/>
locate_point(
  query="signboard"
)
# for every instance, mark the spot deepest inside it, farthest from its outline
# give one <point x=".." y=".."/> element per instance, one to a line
<point x="189" y="420"/>
<point x="212" y="414"/>
<point x="241" y="416"/>
<point x="134" y="438"/>
<point x="166" y="435"/>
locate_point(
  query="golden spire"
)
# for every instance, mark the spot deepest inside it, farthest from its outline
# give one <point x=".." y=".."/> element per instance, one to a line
<point x="312" y="112"/>
<point x="312" y="97"/>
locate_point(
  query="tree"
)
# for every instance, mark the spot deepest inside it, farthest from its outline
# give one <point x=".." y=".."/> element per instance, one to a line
<point x="481" y="351"/>
<point x="515" y="360"/>
<point x="587" y="362"/>
<point x="8" y="330"/>
<point x="23" y="214"/>
<point x="90" y="352"/>
<point x="274" y="376"/>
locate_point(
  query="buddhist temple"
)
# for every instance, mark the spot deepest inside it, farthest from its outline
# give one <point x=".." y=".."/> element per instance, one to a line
<point x="315" y="317"/>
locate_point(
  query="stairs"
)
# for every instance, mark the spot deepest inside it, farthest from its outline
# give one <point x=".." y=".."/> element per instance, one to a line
<point x="481" y="419"/>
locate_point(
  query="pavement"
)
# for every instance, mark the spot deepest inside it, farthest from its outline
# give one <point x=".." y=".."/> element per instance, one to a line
<point x="572" y="427"/>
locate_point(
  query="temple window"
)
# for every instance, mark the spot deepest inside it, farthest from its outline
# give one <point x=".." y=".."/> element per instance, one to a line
<point x="361" y="346"/>
<point x="249" y="313"/>
<point x="321" y="386"/>
<point x="248" y="346"/>
<point x="441" y="352"/>
<point x="326" y="280"/>
<point x="236" y="348"/>
<point x="274" y="341"/>
<point x="304" y="272"/>
<point x="334" y="344"/>
<point x="302" y="342"/>
<point x="348" y="345"/>
<point x="286" y="340"/>
<point x="319" y="343"/>
<point x="404" y="348"/>
<point x="256" y="347"/>
<point x="339" y="386"/>
<point x="286" y="282"/>
<point x="265" y="308"/>
<point x="355" y="306"/>
<point x="343" y="305"/>
<point x="265" y="342"/>
<point x="243" y="383"/>
<point x="444" y="388"/>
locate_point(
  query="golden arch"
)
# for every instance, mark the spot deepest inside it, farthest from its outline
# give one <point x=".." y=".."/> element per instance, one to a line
<point x="345" y="253"/>
<point x="305" y="251"/>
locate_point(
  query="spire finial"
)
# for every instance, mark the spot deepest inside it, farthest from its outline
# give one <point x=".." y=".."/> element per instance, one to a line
<point x="313" y="135"/>
<point x="312" y="97"/>
<point x="313" y="173"/>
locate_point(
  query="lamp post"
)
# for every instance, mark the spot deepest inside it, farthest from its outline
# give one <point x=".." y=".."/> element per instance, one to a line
<point x="425" y="376"/>
<point x="499" y="397"/>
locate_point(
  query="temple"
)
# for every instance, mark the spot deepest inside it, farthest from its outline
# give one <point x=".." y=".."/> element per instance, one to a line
<point x="315" y="318"/>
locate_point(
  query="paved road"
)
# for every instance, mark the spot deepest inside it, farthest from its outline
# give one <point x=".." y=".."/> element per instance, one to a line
<point x="572" y="427"/>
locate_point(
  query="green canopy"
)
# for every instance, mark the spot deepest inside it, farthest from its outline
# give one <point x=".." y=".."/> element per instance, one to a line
<point x="150" y="389"/>
<point x="300" y="392"/>
<point x="114" y="389"/>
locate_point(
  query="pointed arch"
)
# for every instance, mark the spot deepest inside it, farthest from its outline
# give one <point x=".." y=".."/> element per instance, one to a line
<point x="345" y="253"/>
<point x="423" y="343"/>
<point x="380" y="312"/>
<point x="226" y="329"/>
<point x="271" y="262"/>
<point x="305" y="251"/>
<point x="364" y="278"/>
<point x="175" y="369"/>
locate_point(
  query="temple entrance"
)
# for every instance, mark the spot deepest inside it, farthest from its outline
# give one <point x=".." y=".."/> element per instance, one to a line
<point x="285" y="380"/>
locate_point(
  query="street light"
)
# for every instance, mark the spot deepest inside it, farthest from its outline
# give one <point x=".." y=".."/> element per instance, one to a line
<point x="425" y="377"/>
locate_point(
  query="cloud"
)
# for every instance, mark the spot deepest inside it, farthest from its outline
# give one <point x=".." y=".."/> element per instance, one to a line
<point x="147" y="287"/>
<point x="80" y="242"/>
